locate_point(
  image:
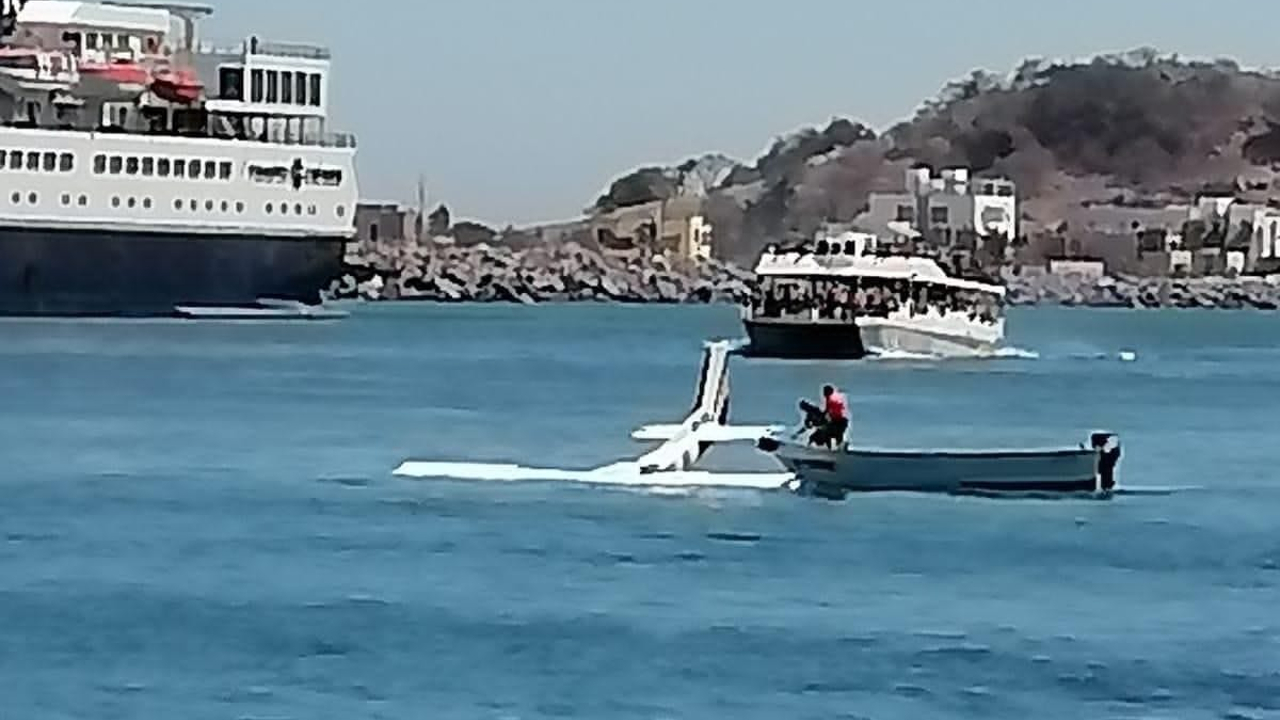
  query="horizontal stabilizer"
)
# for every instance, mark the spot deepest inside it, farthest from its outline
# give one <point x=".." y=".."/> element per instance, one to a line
<point x="707" y="433"/>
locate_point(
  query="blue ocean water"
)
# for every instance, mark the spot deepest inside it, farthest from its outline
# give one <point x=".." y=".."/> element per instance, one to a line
<point x="198" y="520"/>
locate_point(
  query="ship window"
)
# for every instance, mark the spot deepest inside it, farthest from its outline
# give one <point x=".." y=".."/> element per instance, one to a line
<point x="4" y="156"/>
<point x="208" y="205"/>
<point x="273" y="86"/>
<point x="115" y="201"/>
<point x="66" y="198"/>
<point x="50" y="162"/>
<point x="15" y="160"/>
<point x="193" y="205"/>
<point x="33" y="161"/>
<point x="224" y="170"/>
<point x="33" y="198"/>
<point x="297" y="209"/>
<point x="152" y="44"/>
<point x="311" y="209"/>
<point x="148" y="166"/>
<point x="239" y="206"/>
<point x="284" y="208"/>
<point x="325" y="176"/>
<point x="163" y="166"/>
<point x="99" y="164"/>
<point x="146" y="203"/>
<point x="131" y="165"/>
<point x="300" y="92"/>
<point x="342" y="210"/>
<point x="231" y="83"/>
<point x="132" y="203"/>
<point x="193" y="169"/>
<point x="225" y="206"/>
<point x="268" y="208"/>
<point x="286" y="87"/>
<point x="66" y="162"/>
<point x="108" y="41"/>
<point x="315" y="89"/>
<point x="177" y="204"/>
<point x="83" y="200"/>
<point x="15" y="198"/>
<point x="117" y="164"/>
<point x="255" y="85"/>
<point x="179" y="168"/>
<point x="91" y="41"/>
<point x="210" y="169"/>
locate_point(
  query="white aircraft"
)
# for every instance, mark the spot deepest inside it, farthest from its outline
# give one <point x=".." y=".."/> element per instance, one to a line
<point x="671" y="464"/>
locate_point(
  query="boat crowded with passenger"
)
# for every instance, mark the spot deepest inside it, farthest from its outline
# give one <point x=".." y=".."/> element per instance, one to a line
<point x="838" y="298"/>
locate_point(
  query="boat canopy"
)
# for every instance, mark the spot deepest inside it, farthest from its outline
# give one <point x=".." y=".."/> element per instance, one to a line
<point x="890" y="267"/>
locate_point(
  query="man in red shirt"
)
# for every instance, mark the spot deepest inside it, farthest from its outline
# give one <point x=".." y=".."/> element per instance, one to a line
<point x="836" y="416"/>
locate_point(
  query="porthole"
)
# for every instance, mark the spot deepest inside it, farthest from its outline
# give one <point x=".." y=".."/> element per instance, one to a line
<point x="133" y="202"/>
<point x="115" y="201"/>
<point x="83" y="201"/>
<point x="146" y="203"/>
<point x="342" y="211"/>
<point x="208" y="205"/>
<point x="239" y="206"/>
<point x="33" y="198"/>
<point x="226" y="206"/>
<point x="311" y="209"/>
<point x="177" y="204"/>
<point x="297" y="209"/>
<point x="284" y="208"/>
<point x="66" y="198"/>
<point x="15" y="198"/>
<point x="268" y="208"/>
<point x="193" y="205"/>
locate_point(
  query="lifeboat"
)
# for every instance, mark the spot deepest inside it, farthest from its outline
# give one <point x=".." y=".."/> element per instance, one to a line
<point x="27" y="70"/>
<point x="177" y="85"/>
<point x="118" y="79"/>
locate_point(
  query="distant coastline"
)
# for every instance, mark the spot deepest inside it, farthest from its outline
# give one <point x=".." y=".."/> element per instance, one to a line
<point x="575" y="272"/>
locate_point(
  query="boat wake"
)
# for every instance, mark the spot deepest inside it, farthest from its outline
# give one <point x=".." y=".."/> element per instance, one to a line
<point x="1004" y="353"/>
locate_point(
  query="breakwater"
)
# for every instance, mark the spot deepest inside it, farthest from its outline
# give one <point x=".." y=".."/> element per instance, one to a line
<point x="571" y="271"/>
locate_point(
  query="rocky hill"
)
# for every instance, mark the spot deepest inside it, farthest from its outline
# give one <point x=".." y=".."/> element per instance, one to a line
<point x="1115" y="128"/>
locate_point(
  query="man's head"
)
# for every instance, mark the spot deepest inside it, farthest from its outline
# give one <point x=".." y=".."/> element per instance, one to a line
<point x="827" y="390"/>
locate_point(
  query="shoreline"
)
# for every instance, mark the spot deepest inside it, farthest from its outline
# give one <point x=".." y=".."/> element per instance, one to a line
<point x="573" y="272"/>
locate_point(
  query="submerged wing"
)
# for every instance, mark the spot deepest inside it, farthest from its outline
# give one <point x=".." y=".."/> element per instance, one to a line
<point x="707" y="433"/>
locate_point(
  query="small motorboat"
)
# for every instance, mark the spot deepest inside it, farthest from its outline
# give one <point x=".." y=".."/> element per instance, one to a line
<point x="117" y="79"/>
<point x="1088" y="468"/>
<point x="177" y="85"/>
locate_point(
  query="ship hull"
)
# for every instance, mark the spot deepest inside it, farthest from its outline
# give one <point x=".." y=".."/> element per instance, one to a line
<point x="794" y="340"/>
<point x="53" y="272"/>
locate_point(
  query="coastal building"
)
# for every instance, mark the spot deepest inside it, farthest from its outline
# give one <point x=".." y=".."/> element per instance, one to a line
<point x="676" y="227"/>
<point x="386" y="222"/>
<point x="945" y="205"/>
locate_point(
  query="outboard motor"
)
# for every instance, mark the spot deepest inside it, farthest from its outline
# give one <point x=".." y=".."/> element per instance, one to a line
<point x="813" y="415"/>
<point x="1107" y="446"/>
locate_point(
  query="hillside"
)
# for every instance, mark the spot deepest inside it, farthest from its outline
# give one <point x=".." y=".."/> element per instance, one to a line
<point x="1134" y="127"/>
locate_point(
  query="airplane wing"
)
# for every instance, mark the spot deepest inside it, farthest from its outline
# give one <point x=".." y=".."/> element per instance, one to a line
<point x="707" y="433"/>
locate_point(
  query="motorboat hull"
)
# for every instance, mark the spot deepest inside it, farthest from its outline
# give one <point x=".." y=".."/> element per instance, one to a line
<point x="803" y="340"/>
<point x="834" y="473"/>
<point x="881" y="335"/>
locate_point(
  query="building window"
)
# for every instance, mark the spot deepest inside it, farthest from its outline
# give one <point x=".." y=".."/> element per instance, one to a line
<point x="148" y="166"/>
<point x="905" y="213"/>
<point x="210" y="169"/>
<point x="33" y="161"/>
<point x="255" y="85"/>
<point x="224" y="170"/>
<point x="286" y="87"/>
<point x="163" y="167"/>
<point x="938" y="215"/>
<point x="315" y="89"/>
<point x="117" y="164"/>
<point x="179" y="168"/>
<point x="300" y="92"/>
<point x="131" y="166"/>
<point x="273" y="86"/>
<point x="50" y="162"/>
<point x="66" y="162"/>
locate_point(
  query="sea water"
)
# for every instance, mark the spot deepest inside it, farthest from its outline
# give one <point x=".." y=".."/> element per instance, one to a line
<point x="198" y="520"/>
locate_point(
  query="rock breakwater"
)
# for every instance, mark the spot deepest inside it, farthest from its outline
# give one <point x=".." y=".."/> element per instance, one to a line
<point x="560" y="272"/>
<point x="1143" y="292"/>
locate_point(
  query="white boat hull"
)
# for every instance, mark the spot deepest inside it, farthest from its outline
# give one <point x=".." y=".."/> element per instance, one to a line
<point x="887" y="335"/>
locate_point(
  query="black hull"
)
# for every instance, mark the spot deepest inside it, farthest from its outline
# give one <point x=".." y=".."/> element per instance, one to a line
<point x="835" y="341"/>
<point x="141" y="274"/>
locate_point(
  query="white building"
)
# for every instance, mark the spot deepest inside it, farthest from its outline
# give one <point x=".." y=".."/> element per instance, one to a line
<point x="1264" y="221"/>
<point x="951" y="201"/>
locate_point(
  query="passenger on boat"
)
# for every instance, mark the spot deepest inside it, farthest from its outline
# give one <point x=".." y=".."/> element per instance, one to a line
<point x="831" y="422"/>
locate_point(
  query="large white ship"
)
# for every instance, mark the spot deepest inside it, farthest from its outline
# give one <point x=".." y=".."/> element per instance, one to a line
<point x="142" y="169"/>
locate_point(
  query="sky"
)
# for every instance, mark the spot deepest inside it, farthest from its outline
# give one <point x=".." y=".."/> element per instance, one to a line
<point x="520" y="111"/>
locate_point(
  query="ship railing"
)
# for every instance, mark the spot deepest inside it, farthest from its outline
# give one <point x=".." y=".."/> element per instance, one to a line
<point x="254" y="46"/>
